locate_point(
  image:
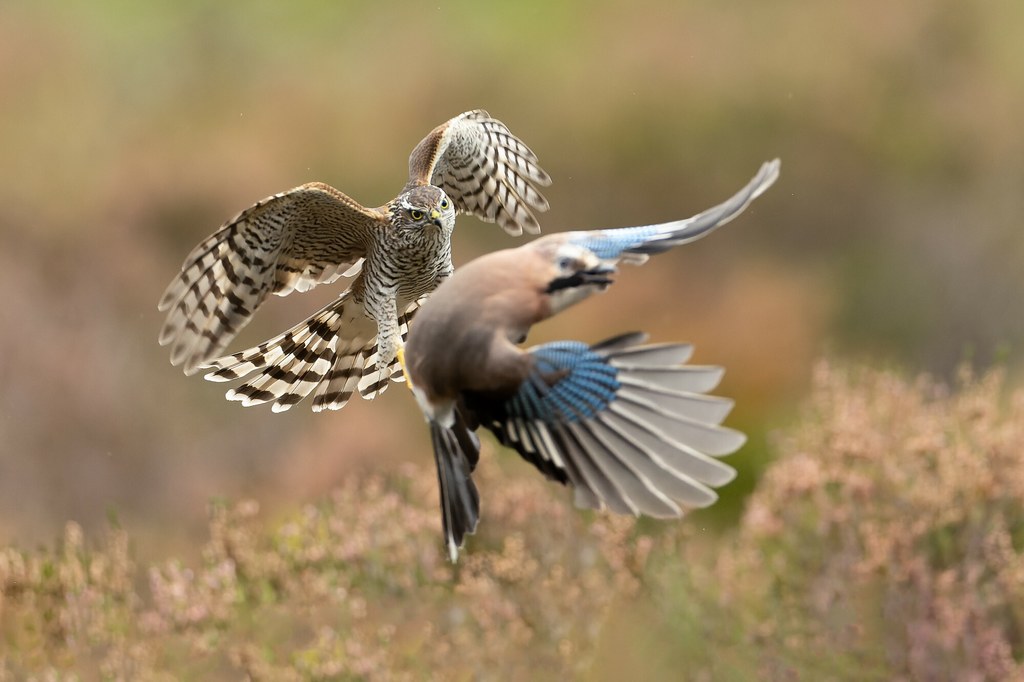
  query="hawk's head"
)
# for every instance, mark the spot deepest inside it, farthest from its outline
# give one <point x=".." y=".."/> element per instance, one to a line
<point x="421" y="207"/>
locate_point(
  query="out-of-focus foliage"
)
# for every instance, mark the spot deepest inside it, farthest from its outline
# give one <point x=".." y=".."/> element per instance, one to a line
<point x="884" y="543"/>
<point x="887" y="542"/>
<point x="356" y="587"/>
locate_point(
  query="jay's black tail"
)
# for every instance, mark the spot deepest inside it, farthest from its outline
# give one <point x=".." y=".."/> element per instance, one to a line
<point x="456" y="450"/>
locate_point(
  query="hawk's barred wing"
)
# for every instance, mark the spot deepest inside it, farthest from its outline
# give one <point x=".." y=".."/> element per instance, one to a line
<point x="290" y="241"/>
<point x="485" y="169"/>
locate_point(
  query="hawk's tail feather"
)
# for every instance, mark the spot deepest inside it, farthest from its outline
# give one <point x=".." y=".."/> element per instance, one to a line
<point x="331" y="355"/>
<point x="341" y="381"/>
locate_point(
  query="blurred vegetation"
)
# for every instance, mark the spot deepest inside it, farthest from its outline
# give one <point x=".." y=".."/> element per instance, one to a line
<point x="131" y="131"/>
<point x="355" y="587"/>
<point x="886" y="542"/>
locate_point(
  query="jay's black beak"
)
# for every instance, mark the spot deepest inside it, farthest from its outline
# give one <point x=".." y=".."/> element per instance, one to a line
<point x="597" y="276"/>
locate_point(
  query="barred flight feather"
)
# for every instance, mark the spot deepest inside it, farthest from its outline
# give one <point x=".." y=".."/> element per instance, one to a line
<point x="625" y="425"/>
<point x="332" y="355"/>
<point x="294" y="240"/>
<point x="486" y="170"/>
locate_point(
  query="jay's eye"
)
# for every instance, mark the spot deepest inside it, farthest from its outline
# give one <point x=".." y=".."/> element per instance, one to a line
<point x="416" y="215"/>
<point x="564" y="263"/>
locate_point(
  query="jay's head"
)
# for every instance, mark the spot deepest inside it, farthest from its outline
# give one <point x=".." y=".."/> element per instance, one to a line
<point x="573" y="272"/>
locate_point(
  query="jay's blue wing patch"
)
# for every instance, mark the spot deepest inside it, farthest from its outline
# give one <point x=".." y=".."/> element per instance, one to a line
<point x="583" y="384"/>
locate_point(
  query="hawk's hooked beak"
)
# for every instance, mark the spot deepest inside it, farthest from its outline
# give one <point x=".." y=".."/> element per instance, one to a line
<point x="435" y="217"/>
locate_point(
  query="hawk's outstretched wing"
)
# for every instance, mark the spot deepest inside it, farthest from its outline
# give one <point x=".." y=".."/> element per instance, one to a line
<point x="486" y="170"/>
<point x="291" y="241"/>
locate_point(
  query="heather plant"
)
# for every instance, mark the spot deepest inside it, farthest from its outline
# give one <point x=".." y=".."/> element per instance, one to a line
<point x="886" y="542"/>
<point x="356" y="587"/>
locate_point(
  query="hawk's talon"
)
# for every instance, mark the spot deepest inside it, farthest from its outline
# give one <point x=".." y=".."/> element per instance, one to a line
<point x="400" y="355"/>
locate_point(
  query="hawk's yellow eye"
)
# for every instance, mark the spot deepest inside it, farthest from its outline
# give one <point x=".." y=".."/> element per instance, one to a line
<point x="416" y="215"/>
<point x="444" y="204"/>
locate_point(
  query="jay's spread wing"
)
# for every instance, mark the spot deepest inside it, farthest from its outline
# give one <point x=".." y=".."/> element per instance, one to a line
<point x="626" y="425"/>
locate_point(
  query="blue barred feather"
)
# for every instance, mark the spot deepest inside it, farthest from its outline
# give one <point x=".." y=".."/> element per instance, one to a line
<point x="588" y="388"/>
<point x="650" y="239"/>
<point x="610" y="244"/>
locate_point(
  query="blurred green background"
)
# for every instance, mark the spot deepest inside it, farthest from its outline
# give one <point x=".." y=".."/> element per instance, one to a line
<point x="130" y="131"/>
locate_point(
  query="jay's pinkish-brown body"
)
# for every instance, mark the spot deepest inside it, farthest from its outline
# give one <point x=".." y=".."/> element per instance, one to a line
<point x="627" y="426"/>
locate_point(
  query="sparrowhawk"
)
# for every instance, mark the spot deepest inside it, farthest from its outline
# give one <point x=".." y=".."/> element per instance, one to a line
<point x="314" y="234"/>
